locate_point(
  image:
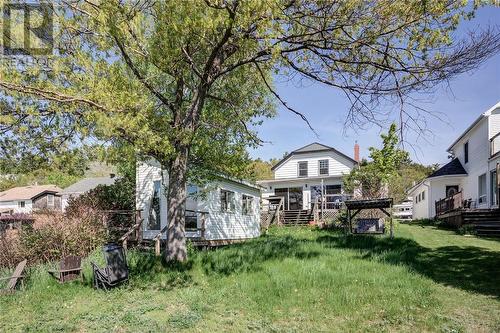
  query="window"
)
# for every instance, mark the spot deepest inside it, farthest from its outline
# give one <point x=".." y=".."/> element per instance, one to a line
<point x="50" y="200"/>
<point x="192" y="190"/>
<point x="154" y="220"/>
<point x="482" y="189"/>
<point x="333" y="189"/>
<point x="423" y="195"/>
<point x="493" y="188"/>
<point x="466" y="152"/>
<point x="302" y="169"/>
<point x="323" y="167"/>
<point x="247" y="204"/>
<point x="21" y="204"/>
<point x="451" y="190"/>
<point x="226" y="201"/>
<point x="191" y="222"/>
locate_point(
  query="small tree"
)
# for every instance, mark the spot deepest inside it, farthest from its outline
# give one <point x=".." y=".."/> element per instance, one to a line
<point x="376" y="175"/>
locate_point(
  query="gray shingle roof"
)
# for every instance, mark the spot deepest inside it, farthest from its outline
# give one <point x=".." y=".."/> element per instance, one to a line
<point x="452" y="168"/>
<point x="87" y="184"/>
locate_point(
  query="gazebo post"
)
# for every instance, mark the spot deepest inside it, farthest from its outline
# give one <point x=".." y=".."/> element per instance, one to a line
<point x="392" y="226"/>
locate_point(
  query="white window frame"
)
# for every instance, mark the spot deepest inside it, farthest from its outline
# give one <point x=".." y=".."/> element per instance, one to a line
<point x="21" y="204"/>
<point x="227" y="200"/>
<point x="327" y="167"/>
<point x="247" y="204"/>
<point x="306" y="169"/>
<point x="49" y="198"/>
<point x="482" y="198"/>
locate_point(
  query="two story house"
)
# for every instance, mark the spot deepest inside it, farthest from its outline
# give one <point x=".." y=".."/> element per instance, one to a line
<point x="308" y="174"/>
<point x="469" y="180"/>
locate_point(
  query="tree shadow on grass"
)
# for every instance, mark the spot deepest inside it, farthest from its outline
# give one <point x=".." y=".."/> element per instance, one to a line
<point x="147" y="268"/>
<point x="469" y="268"/>
<point x="250" y="255"/>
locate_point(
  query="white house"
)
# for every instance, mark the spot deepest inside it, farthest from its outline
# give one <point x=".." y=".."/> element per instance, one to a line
<point x="302" y="176"/>
<point x="472" y="170"/>
<point x="25" y="199"/>
<point x="224" y="210"/>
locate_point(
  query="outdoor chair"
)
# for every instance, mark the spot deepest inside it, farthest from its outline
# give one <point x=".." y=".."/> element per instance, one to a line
<point x="15" y="278"/>
<point x="116" y="270"/>
<point x="69" y="269"/>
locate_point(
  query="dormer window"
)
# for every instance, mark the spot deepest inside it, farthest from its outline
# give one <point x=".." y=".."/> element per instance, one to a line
<point x="466" y="152"/>
<point x="323" y="167"/>
<point x="302" y="166"/>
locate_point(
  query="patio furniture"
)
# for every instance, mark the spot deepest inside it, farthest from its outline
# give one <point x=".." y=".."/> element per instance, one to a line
<point x="116" y="270"/>
<point x="15" y="278"/>
<point x="69" y="269"/>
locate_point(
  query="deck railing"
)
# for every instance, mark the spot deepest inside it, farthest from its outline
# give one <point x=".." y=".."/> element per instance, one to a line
<point x="449" y="204"/>
<point x="201" y="229"/>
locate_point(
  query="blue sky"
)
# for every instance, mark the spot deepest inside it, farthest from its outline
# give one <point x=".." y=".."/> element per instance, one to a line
<point x="461" y="103"/>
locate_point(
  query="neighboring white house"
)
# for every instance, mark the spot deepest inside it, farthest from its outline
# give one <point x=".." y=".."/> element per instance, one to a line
<point x="472" y="169"/>
<point x="230" y="208"/>
<point x="84" y="185"/>
<point x="25" y="199"/>
<point x="305" y="174"/>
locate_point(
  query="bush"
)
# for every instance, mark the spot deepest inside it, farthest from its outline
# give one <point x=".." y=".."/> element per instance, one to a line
<point x="54" y="236"/>
<point x="467" y="229"/>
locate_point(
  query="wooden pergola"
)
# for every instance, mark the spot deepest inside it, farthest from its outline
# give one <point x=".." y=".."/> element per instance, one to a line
<point x="356" y="206"/>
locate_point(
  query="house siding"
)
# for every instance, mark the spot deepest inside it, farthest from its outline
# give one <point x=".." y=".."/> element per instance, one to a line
<point x="218" y="225"/>
<point x="230" y="225"/>
<point x="14" y="206"/>
<point x="41" y="202"/>
<point x="337" y="165"/>
<point x="477" y="164"/>
<point x="421" y="210"/>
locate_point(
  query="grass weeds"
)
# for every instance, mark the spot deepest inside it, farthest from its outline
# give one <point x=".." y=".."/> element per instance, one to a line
<point x="291" y="280"/>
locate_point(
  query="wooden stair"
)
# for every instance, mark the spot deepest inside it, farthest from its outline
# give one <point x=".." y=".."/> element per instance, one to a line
<point x="486" y="223"/>
<point x="297" y="217"/>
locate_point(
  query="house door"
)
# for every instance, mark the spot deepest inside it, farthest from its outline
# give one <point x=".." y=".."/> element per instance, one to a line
<point x="295" y="198"/>
<point x="451" y="190"/>
<point x="282" y="192"/>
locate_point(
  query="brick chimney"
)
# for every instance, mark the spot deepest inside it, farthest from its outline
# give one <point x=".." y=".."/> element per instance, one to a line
<point x="356" y="152"/>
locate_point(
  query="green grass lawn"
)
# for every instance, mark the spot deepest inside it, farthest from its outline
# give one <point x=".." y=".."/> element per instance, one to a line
<point x="290" y="280"/>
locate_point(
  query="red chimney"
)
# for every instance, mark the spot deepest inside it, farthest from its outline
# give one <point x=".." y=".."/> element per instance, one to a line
<point x="356" y="152"/>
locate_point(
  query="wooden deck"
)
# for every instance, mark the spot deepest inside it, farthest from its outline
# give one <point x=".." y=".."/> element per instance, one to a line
<point x="485" y="222"/>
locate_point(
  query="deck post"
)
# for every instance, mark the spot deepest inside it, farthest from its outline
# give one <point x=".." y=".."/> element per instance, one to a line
<point x="157" y="247"/>
<point x="348" y="225"/>
<point x="202" y="226"/>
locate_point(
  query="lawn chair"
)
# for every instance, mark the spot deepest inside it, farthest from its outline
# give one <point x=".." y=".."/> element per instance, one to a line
<point x="69" y="269"/>
<point x="116" y="270"/>
<point x="15" y="278"/>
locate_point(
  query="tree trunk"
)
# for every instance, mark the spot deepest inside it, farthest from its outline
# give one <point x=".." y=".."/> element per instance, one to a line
<point x="176" y="198"/>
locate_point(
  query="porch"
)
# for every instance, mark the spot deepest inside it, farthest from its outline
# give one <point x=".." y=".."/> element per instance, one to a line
<point x="455" y="212"/>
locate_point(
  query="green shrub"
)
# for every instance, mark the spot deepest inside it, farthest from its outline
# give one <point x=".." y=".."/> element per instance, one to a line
<point x="467" y="229"/>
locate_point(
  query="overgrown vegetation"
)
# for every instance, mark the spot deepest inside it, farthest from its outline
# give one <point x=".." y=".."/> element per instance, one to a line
<point x="85" y="225"/>
<point x="293" y="279"/>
